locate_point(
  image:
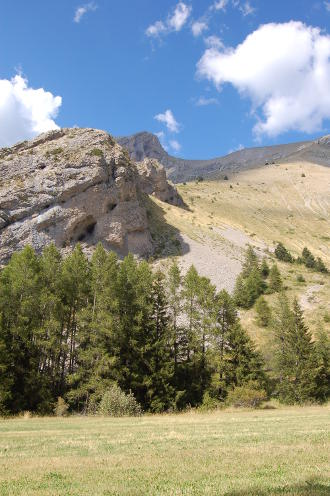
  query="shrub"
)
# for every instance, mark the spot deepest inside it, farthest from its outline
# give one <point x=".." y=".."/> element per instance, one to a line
<point x="61" y="408"/>
<point x="300" y="278"/>
<point x="96" y="152"/>
<point x="209" y="403"/>
<point x="225" y="178"/>
<point x="247" y="396"/>
<point x="303" y="175"/>
<point x="116" y="403"/>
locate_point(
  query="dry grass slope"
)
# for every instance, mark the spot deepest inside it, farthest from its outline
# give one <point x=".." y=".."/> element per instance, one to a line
<point x="288" y="203"/>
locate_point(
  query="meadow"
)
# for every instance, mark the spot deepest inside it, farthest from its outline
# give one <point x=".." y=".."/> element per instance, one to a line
<point x="274" y="451"/>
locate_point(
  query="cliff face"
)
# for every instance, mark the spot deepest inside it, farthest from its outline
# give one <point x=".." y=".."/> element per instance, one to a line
<point x="74" y="185"/>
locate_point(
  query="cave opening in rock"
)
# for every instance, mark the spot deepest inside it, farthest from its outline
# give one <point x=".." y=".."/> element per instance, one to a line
<point x="84" y="230"/>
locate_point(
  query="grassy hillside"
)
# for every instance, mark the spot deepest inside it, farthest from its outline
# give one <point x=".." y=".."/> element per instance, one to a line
<point x="288" y="203"/>
<point x="225" y="453"/>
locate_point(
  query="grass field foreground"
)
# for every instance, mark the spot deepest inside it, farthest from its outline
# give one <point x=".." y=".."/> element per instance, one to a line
<point x="238" y="453"/>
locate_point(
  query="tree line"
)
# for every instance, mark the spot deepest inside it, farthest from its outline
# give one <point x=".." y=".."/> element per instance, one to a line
<point x="74" y="328"/>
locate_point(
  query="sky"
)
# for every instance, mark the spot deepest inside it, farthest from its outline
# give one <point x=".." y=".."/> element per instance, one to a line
<point x="207" y="76"/>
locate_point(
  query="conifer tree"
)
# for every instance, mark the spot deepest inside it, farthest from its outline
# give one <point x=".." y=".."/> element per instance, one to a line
<point x="250" y="263"/>
<point x="275" y="281"/>
<point x="264" y="268"/>
<point x="157" y="350"/>
<point x="281" y="253"/>
<point x="263" y="312"/>
<point x="296" y="359"/>
<point x="322" y="348"/>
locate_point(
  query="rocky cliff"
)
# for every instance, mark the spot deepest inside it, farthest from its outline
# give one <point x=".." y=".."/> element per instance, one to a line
<point x="76" y="185"/>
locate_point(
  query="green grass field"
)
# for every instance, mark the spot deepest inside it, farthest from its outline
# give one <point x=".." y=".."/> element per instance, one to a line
<point x="266" y="452"/>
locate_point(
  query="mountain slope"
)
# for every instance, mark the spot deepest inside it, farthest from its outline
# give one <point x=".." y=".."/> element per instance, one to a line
<point x="145" y="144"/>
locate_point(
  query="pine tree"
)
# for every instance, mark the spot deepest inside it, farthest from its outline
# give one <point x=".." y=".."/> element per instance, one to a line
<point x="281" y="253"/>
<point x="296" y="359"/>
<point x="250" y="263"/>
<point x="275" y="284"/>
<point x="264" y="268"/>
<point x="157" y="351"/>
<point x="263" y="312"/>
<point x="322" y="349"/>
<point x="94" y="370"/>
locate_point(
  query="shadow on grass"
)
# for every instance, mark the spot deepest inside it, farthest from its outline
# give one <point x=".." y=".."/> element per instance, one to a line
<point x="166" y="238"/>
<point x="311" y="487"/>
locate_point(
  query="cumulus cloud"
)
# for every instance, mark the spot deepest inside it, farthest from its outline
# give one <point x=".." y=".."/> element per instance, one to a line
<point x="24" y="111"/>
<point x="82" y="10"/>
<point x="284" y="69"/>
<point x="169" y="120"/>
<point x="174" y="22"/>
<point x="198" y="27"/>
<point x="203" y="101"/>
<point x="175" y="145"/>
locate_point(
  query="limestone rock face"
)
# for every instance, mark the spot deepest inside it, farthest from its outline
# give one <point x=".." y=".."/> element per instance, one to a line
<point x="73" y="185"/>
<point x="153" y="182"/>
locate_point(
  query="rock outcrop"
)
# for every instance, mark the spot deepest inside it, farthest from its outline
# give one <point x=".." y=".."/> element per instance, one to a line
<point x="76" y="185"/>
<point x="153" y="181"/>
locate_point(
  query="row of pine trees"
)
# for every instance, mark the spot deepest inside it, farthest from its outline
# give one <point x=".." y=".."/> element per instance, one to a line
<point x="72" y="328"/>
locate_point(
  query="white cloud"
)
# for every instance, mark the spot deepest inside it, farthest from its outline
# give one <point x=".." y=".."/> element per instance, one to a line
<point x="174" y="22"/>
<point x="169" y="120"/>
<point x="156" y="29"/>
<point x="327" y="5"/>
<point x="82" y="10"/>
<point x="25" y="112"/>
<point x="203" y="101"/>
<point x="284" y="69"/>
<point x="198" y="27"/>
<point x="213" y="41"/>
<point x="220" y="4"/>
<point x="246" y="8"/>
<point x="180" y="16"/>
<point x="175" y="145"/>
<point x="160" y="135"/>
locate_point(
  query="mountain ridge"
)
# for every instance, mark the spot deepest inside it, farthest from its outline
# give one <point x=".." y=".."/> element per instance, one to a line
<point x="146" y="145"/>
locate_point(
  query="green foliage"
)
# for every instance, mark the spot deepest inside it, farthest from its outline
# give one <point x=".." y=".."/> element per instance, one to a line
<point x="263" y="311"/>
<point x="115" y="403"/>
<point x="209" y="404"/>
<point x="264" y="268"/>
<point x="96" y="152"/>
<point x="296" y="361"/>
<point x="300" y="278"/>
<point x="322" y="349"/>
<point x="281" y="253"/>
<point x="308" y="259"/>
<point x="247" y="396"/>
<point x="250" y="283"/>
<point x="275" y="283"/>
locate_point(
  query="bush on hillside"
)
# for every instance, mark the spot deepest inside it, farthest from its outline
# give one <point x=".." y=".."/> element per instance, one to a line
<point x="116" y="403"/>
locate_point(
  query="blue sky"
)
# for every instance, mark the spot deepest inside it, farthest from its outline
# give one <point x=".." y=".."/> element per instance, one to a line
<point x="209" y="76"/>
